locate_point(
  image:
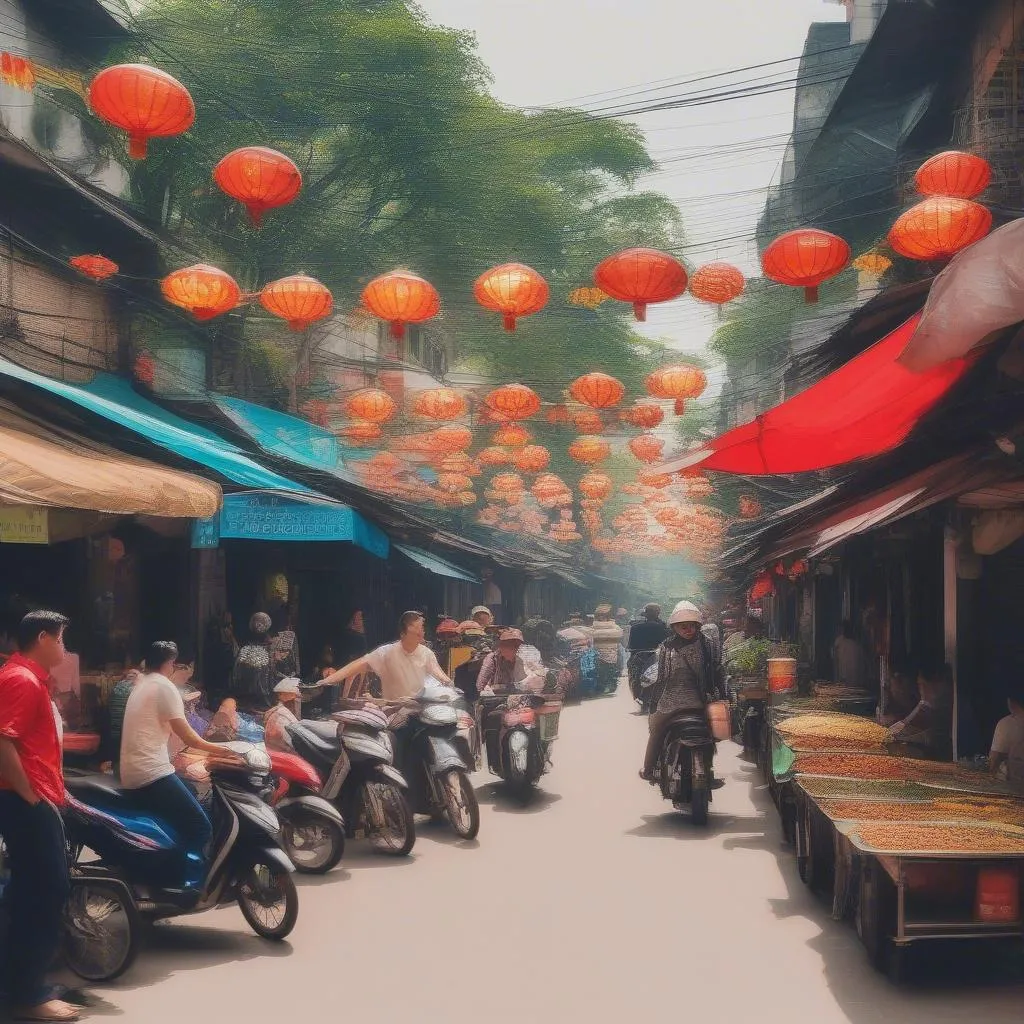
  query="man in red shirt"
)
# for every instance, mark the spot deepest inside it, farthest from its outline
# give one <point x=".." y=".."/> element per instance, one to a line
<point x="31" y="793"/>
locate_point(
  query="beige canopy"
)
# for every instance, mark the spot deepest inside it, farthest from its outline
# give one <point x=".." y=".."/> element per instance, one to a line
<point x="44" y="467"/>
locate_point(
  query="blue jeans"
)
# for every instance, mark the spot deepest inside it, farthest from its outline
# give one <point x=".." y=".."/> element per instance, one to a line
<point x="172" y="803"/>
<point x="35" y="897"/>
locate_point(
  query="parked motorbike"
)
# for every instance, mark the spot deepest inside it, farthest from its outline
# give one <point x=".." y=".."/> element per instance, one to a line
<point x="684" y="769"/>
<point x="519" y="749"/>
<point x="641" y="684"/>
<point x="138" y="863"/>
<point x="356" y="754"/>
<point x="437" y="760"/>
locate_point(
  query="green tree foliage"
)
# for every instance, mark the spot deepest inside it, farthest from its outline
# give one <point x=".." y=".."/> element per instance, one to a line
<point x="408" y="161"/>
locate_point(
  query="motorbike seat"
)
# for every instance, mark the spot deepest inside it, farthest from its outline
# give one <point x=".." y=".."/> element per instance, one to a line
<point x="97" y="788"/>
<point x="320" y="738"/>
<point x="690" y="727"/>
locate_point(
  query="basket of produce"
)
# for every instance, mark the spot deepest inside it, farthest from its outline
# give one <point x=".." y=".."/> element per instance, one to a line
<point x="937" y="839"/>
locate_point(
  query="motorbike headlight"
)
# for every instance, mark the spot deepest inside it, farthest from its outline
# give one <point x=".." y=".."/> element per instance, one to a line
<point x="258" y="760"/>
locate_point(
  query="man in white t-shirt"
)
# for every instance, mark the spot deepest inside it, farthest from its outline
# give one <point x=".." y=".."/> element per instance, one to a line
<point x="1008" y="743"/>
<point x="154" y="711"/>
<point x="403" y="666"/>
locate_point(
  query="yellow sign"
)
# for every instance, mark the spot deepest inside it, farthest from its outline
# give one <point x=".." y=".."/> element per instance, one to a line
<point x="24" y="525"/>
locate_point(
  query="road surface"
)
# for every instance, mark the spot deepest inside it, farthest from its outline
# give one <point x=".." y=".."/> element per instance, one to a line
<point x="596" y="904"/>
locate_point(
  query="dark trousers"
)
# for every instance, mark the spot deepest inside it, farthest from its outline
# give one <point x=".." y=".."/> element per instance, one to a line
<point x="36" y="894"/>
<point x="171" y="802"/>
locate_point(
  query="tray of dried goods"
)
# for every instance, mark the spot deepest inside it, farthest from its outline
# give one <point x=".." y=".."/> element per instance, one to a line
<point x="856" y="766"/>
<point x="935" y="839"/>
<point x="820" y="787"/>
<point x="999" y="812"/>
<point x="832" y="732"/>
<point x="836" y="690"/>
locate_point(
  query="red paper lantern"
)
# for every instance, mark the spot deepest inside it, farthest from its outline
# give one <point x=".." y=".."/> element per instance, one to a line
<point x="454" y="482"/>
<point x="513" y="289"/>
<point x="504" y="483"/>
<point x="299" y="300"/>
<point x="589" y="450"/>
<point x="450" y="439"/>
<point x="145" y="102"/>
<point x="586" y="421"/>
<point x="763" y="586"/>
<point x="938" y="228"/>
<point x="17" y="71"/>
<point x="647" y="447"/>
<point x="677" y="382"/>
<point x="439" y="404"/>
<point x="641" y="276"/>
<point x="511" y="435"/>
<point x="371" y="405"/>
<point x="514" y="401"/>
<point x="954" y="174"/>
<point x="646" y="416"/>
<point x="99" y="268"/>
<point x="205" y="291"/>
<point x="598" y="390"/>
<point x="259" y="178"/>
<point x="532" y="459"/>
<point x="401" y="298"/>
<point x="656" y="480"/>
<point x="805" y="258"/>
<point x="798" y="569"/>
<point x="717" y="283"/>
<point x="596" y="486"/>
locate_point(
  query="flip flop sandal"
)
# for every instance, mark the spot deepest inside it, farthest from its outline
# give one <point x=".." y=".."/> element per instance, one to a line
<point x="40" y="1016"/>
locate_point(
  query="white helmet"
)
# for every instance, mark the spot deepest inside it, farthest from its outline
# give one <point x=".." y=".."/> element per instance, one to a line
<point x="686" y="611"/>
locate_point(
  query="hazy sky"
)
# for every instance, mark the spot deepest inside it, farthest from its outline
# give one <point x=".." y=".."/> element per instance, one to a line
<point x="547" y="52"/>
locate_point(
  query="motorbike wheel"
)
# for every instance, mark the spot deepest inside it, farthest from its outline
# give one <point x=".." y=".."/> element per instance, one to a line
<point x="102" y="930"/>
<point x="314" y="845"/>
<point x="461" y="804"/>
<point x="699" y="799"/>
<point x="397" y="835"/>
<point x="268" y="900"/>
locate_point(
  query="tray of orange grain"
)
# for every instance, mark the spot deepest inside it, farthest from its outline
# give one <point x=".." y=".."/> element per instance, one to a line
<point x="962" y="808"/>
<point x="935" y="839"/>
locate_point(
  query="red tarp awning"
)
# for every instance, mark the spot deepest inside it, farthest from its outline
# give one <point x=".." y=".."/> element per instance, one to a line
<point x="865" y="408"/>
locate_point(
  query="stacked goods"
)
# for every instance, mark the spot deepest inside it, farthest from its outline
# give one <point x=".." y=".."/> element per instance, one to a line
<point x="923" y="838"/>
<point x="832" y="732"/>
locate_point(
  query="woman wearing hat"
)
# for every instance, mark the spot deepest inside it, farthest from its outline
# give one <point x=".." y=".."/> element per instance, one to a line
<point x="281" y="715"/>
<point x="607" y="640"/>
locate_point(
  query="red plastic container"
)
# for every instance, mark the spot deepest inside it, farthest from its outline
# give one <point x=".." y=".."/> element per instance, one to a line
<point x="997" y="900"/>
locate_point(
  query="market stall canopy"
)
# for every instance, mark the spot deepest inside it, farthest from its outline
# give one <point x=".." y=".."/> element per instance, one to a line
<point x="40" y="466"/>
<point x="279" y="517"/>
<point x="866" y="407"/>
<point x="980" y="292"/>
<point x="114" y="400"/>
<point x="438" y="566"/>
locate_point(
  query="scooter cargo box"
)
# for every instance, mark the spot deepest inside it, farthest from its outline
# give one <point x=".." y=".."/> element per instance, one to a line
<point x="547" y="720"/>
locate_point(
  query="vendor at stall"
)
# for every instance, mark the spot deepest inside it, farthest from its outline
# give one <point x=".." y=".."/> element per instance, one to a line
<point x="927" y="732"/>
<point x="1008" y="744"/>
<point x="901" y="696"/>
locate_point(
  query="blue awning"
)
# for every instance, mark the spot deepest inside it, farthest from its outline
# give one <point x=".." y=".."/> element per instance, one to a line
<point x="260" y="516"/>
<point x="113" y="398"/>
<point x="438" y="566"/>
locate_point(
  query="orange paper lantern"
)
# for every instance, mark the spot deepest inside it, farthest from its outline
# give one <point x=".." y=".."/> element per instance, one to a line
<point x="647" y="447"/>
<point x="717" y="283"/>
<point x="646" y="416"/>
<point x="205" y="291"/>
<point x="557" y="415"/>
<point x="143" y="101"/>
<point x="938" y="228"/>
<point x="954" y="174"/>
<point x="372" y="405"/>
<point x="512" y="435"/>
<point x="641" y="276"/>
<point x="513" y="289"/>
<point x="494" y="457"/>
<point x="439" y="404"/>
<point x="586" y="421"/>
<point x="259" y="178"/>
<point x="454" y="482"/>
<point x="805" y="258"/>
<point x="298" y="300"/>
<point x="677" y="382"/>
<point x="450" y="439"/>
<point x="596" y="486"/>
<point x="401" y="298"/>
<point x="514" y="401"/>
<point x="598" y="390"/>
<point x="589" y="450"/>
<point x="505" y="482"/>
<point x="532" y="459"/>
<point x="99" y="268"/>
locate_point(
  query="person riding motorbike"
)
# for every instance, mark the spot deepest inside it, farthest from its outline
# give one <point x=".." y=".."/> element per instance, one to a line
<point x="689" y="678"/>
<point x="281" y="715"/>
<point x="503" y="672"/>
<point x="155" y="710"/>
<point x="645" y="636"/>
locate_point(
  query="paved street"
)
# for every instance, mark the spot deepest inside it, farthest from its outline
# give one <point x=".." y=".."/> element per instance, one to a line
<point x="595" y="904"/>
